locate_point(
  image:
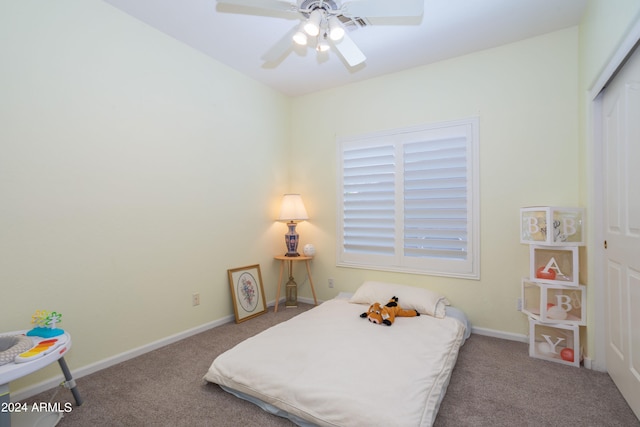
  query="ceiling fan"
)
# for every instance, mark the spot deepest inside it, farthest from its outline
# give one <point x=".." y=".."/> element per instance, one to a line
<point x="323" y="22"/>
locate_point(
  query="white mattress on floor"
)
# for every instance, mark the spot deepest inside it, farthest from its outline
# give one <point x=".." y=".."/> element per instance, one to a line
<point x="329" y="367"/>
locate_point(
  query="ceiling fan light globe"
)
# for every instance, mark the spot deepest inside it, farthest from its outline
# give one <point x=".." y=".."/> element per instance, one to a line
<point x="312" y="26"/>
<point x="300" y="38"/>
<point x="336" y="35"/>
<point x="336" y="30"/>
<point x="323" y="47"/>
<point x="311" y="29"/>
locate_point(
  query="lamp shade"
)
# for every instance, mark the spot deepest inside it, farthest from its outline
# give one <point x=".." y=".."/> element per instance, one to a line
<point x="292" y="208"/>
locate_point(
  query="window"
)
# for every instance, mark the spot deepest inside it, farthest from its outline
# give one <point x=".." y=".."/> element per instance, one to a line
<point x="408" y="200"/>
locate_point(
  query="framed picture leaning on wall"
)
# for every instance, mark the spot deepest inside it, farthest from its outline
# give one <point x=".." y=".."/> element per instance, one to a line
<point x="247" y="292"/>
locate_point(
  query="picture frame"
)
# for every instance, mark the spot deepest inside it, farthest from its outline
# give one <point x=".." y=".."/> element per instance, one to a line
<point x="247" y="292"/>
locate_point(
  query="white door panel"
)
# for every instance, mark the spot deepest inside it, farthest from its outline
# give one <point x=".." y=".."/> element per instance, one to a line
<point x="614" y="300"/>
<point x="621" y="134"/>
<point x="634" y="322"/>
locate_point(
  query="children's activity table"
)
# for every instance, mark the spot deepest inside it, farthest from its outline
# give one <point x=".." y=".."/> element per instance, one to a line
<point x="12" y="371"/>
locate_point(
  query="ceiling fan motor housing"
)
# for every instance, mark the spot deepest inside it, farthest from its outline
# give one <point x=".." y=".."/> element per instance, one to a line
<point x="305" y="8"/>
<point x="311" y="5"/>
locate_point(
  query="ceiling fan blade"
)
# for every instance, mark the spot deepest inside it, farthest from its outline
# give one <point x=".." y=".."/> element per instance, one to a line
<point x="349" y="51"/>
<point x="282" y="47"/>
<point x="262" y="4"/>
<point x="384" y="8"/>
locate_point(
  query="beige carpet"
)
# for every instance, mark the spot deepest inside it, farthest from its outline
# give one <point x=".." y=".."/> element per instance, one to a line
<point x="495" y="383"/>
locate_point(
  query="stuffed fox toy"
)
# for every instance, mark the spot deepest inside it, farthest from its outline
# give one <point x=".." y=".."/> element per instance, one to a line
<point x="387" y="314"/>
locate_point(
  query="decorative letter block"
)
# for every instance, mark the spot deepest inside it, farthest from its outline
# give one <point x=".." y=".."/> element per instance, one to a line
<point x="557" y="343"/>
<point x="554" y="304"/>
<point x="554" y="265"/>
<point x="554" y="226"/>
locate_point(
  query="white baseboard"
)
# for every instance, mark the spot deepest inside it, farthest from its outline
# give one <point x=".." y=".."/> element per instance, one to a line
<point x="307" y="300"/>
<point x="43" y="386"/>
<point x="114" y="360"/>
<point x="500" y="334"/>
<point x="283" y="300"/>
<point x="595" y="364"/>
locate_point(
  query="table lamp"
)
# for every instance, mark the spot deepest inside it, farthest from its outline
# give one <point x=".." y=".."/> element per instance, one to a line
<point x="292" y="211"/>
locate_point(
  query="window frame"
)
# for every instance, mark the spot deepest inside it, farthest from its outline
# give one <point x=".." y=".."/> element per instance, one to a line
<point x="469" y="268"/>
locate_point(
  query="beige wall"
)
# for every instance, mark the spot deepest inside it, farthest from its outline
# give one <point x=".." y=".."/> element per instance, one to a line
<point x="525" y="95"/>
<point x="134" y="171"/>
<point x="604" y="25"/>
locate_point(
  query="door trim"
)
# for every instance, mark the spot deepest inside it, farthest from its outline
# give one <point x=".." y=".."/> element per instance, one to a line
<point x="595" y="205"/>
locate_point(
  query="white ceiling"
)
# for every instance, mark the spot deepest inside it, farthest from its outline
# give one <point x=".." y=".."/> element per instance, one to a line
<point x="448" y="28"/>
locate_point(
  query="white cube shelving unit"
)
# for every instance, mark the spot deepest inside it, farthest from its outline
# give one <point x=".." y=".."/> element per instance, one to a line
<point x="552" y="296"/>
<point x="555" y="265"/>
<point x="555" y="342"/>
<point x="554" y="304"/>
<point x="552" y="226"/>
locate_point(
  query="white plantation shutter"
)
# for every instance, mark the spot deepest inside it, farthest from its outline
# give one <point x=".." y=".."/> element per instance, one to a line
<point x="368" y="200"/>
<point x="408" y="200"/>
<point x="435" y="199"/>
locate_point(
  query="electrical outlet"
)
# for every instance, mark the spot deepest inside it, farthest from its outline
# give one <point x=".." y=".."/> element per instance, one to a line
<point x="519" y="304"/>
<point x="331" y="283"/>
<point x="195" y="299"/>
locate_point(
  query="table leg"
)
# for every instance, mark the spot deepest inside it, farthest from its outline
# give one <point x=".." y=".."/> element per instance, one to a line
<point x="275" y="310"/>
<point x="70" y="383"/>
<point x="311" y="282"/>
<point x="5" y="416"/>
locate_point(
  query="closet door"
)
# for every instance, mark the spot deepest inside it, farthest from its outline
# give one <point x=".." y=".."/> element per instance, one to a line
<point x="621" y="149"/>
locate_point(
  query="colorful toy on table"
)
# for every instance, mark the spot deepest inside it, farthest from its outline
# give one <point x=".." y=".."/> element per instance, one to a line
<point x="46" y="337"/>
<point x="45" y="324"/>
<point x="43" y="346"/>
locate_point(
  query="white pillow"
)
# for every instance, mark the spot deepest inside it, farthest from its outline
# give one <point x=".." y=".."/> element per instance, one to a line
<point x="409" y="297"/>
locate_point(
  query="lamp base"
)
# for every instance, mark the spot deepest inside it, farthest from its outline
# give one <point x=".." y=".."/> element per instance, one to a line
<point x="291" y="239"/>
